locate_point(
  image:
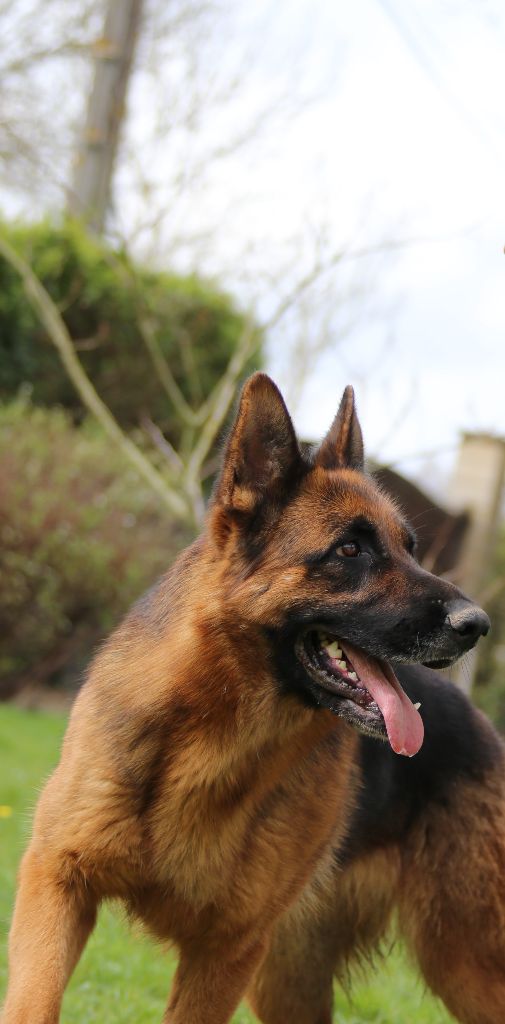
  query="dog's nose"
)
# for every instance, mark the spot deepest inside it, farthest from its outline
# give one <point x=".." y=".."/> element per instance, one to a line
<point x="468" y="620"/>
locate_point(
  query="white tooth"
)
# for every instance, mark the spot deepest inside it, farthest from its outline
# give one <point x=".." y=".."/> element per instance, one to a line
<point x="334" y="650"/>
<point x="418" y="705"/>
<point x="353" y="676"/>
<point x="342" y="664"/>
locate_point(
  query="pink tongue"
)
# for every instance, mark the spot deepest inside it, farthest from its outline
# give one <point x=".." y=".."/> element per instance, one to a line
<point x="403" y="722"/>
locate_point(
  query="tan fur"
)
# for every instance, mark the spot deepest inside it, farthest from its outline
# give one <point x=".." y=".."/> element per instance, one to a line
<point x="451" y="900"/>
<point x="212" y="804"/>
<point x="444" y="891"/>
<point x="198" y="797"/>
<point x="340" y="918"/>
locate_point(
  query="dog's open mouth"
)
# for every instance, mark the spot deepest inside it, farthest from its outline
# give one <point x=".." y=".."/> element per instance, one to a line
<point x="361" y="688"/>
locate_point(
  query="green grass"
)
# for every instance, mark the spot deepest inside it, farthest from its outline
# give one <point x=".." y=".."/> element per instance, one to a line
<point x="123" y="978"/>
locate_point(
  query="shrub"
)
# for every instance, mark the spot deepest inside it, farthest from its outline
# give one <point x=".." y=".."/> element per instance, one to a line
<point x="80" y="537"/>
<point x="102" y="296"/>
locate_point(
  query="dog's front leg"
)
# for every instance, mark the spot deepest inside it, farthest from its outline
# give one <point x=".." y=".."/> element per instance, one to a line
<point x="52" y="921"/>
<point x="209" y="984"/>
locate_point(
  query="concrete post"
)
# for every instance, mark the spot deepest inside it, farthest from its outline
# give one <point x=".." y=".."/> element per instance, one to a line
<point x="477" y="486"/>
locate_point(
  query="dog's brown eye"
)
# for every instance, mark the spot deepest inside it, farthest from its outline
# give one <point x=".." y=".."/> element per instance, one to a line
<point x="349" y="550"/>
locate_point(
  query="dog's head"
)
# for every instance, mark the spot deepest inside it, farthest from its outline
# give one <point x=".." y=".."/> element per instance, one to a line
<point x="323" y="562"/>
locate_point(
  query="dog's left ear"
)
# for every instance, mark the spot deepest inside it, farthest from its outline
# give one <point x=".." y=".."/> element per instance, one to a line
<point x="343" y="445"/>
<point x="262" y="453"/>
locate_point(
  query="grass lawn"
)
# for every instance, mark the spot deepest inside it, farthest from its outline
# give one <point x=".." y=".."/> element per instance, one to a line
<point x="123" y="978"/>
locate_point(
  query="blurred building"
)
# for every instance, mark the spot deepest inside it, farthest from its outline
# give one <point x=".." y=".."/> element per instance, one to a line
<point x="440" y="532"/>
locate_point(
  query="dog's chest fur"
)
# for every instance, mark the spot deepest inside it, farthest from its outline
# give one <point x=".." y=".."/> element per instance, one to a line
<point x="248" y="837"/>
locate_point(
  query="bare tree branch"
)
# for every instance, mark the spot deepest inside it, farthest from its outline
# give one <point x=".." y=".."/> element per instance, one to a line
<point x="164" y="373"/>
<point x="160" y="441"/>
<point x="65" y="49"/>
<point x="215" y="410"/>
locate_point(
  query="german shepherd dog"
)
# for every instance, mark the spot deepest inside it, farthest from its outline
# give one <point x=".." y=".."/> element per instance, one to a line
<point x="235" y="768"/>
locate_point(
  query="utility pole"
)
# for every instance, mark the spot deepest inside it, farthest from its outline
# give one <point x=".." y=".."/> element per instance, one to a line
<point x="89" y="195"/>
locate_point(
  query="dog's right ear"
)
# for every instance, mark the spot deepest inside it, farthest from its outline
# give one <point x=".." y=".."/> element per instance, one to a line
<point x="262" y="453"/>
<point x="343" y="445"/>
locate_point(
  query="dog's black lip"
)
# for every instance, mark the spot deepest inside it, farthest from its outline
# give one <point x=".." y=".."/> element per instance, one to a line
<point x="337" y="696"/>
<point x="306" y="652"/>
<point x="440" y="663"/>
<point x="366" y="720"/>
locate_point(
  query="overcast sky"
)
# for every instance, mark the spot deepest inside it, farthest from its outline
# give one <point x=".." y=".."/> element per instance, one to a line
<point x="426" y="119"/>
<point x="403" y="138"/>
<point x="414" y="127"/>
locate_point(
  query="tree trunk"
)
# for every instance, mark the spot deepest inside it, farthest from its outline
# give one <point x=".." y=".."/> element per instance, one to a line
<point x="90" y="192"/>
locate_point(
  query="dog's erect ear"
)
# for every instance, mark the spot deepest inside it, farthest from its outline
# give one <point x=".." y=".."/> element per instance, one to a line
<point x="262" y="453"/>
<point x="343" y="445"/>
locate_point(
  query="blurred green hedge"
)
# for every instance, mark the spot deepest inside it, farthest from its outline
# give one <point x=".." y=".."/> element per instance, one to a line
<point x="101" y="296"/>
<point x="81" y="536"/>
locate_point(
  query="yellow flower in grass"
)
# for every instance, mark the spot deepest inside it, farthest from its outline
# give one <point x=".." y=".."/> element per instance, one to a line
<point x="5" y="811"/>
